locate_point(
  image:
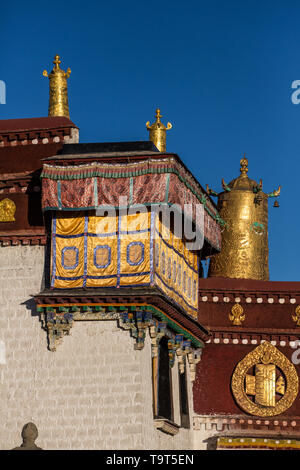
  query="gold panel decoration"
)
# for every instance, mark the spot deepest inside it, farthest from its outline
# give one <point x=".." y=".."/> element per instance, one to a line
<point x="237" y="315"/>
<point x="7" y="210"/>
<point x="257" y="443"/>
<point x="90" y="251"/>
<point x="296" y="317"/>
<point x="176" y="269"/>
<point x="123" y="250"/>
<point x="265" y="382"/>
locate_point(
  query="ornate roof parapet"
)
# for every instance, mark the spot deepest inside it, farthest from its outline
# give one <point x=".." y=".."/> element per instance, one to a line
<point x="34" y="131"/>
<point x="132" y="179"/>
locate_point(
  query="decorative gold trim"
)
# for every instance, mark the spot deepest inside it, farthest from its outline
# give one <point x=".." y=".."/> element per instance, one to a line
<point x="274" y="356"/>
<point x="237" y="315"/>
<point x="296" y="317"/>
<point x="257" y="443"/>
<point x="7" y="210"/>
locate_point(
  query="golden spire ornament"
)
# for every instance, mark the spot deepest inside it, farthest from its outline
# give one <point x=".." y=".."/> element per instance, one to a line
<point x="58" y="89"/>
<point x="157" y="132"/>
<point x="243" y="205"/>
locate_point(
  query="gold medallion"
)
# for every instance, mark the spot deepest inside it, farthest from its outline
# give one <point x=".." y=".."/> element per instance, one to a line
<point x="265" y="382"/>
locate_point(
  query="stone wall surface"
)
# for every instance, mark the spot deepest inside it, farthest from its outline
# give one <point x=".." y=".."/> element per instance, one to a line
<point x="94" y="392"/>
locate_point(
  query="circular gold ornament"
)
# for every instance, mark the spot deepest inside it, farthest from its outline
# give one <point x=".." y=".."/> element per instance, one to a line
<point x="267" y="361"/>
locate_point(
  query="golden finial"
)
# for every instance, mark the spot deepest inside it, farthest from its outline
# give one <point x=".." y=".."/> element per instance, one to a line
<point x="58" y="89"/>
<point x="244" y="165"/>
<point x="157" y="132"/>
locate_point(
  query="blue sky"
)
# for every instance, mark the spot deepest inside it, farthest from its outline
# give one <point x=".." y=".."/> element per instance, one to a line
<point x="221" y="72"/>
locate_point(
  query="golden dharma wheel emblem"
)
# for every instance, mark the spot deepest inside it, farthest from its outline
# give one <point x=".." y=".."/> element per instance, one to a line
<point x="237" y="315"/>
<point x="265" y="382"/>
<point x="7" y="210"/>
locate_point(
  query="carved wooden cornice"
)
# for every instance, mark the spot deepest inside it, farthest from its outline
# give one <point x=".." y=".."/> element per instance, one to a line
<point x="137" y="311"/>
<point x="254" y="336"/>
<point x="24" y="238"/>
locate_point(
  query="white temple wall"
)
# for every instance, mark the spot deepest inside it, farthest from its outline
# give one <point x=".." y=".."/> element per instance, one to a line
<point x="94" y="392"/>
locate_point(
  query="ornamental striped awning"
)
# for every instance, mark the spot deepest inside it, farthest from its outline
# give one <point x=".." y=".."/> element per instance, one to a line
<point x="147" y="182"/>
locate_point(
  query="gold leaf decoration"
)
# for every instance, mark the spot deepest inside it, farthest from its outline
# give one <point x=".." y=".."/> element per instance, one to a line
<point x="237" y="315"/>
<point x="263" y="386"/>
<point x="7" y="210"/>
<point x="296" y="317"/>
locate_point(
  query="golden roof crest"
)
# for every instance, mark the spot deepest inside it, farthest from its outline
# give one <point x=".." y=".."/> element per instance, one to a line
<point x="58" y="89"/>
<point x="157" y="132"/>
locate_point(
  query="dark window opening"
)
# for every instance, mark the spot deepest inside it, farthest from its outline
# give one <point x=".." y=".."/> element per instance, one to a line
<point x="164" y="408"/>
<point x="183" y="398"/>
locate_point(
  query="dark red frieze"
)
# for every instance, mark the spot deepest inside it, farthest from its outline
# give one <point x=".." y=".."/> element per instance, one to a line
<point x="250" y="426"/>
<point x="266" y="304"/>
<point x="212" y="387"/>
<point x="262" y="316"/>
<point x="33" y="124"/>
<point x="268" y="307"/>
<point x="225" y="285"/>
<point x="28" y="214"/>
<point x="23" y="239"/>
<point x="25" y="158"/>
<point x="23" y="145"/>
<point x="235" y="335"/>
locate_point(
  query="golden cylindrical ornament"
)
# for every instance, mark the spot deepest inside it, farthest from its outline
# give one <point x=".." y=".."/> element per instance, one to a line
<point x="157" y="132"/>
<point x="244" y="250"/>
<point x="58" y="90"/>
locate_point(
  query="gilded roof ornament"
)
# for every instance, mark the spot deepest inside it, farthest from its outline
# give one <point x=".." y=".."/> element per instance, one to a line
<point x="275" y="193"/>
<point x="157" y="132"/>
<point x="243" y="205"/>
<point x="58" y="89"/>
<point x="244" y="165"/>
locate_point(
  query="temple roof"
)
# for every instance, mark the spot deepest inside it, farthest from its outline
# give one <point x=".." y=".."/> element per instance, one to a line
<point x="30" y="124"/>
